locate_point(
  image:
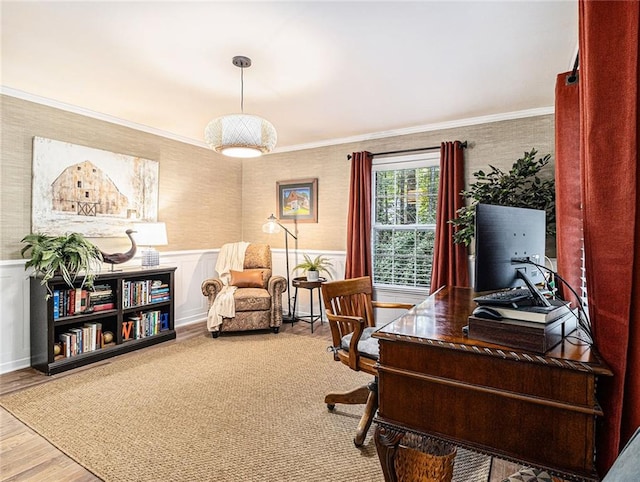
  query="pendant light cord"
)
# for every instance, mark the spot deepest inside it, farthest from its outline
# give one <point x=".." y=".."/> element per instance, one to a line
<point x="242" y="89"/>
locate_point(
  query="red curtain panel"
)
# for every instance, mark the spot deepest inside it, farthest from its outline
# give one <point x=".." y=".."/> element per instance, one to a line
<point x="358" y="262"/>
<point x="568" y="191"/>
<point x="609" y="156"/>
<point x="450" y="262"/>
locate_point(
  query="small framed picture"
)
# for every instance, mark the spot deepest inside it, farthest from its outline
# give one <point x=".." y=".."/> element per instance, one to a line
<point x="298" y="200"/>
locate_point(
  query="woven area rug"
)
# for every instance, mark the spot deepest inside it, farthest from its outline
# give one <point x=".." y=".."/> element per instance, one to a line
<point x="239" y="408"/>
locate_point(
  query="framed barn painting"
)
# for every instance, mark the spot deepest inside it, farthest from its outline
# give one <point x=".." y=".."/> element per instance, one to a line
<point x="298" y="200"/>
<point x="90" y="191"/>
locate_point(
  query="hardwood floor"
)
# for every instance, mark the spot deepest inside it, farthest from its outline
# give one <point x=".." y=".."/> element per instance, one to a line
<point x="26" y="456"/>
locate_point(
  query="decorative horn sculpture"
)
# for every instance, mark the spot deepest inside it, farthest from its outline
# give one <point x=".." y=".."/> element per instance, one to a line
<point x="117" y="258"/>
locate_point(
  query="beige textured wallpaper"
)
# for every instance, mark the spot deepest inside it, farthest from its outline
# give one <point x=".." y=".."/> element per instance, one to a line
<point x="199" y="190"/>
<point x="497" y="143"/>
<point x="207" y="199"/>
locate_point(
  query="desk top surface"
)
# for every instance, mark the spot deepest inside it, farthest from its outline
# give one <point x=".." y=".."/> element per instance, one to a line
<point x="438" y="321"/>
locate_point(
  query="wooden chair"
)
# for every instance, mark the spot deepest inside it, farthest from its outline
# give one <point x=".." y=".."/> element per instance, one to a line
<point x="349" y="309"/>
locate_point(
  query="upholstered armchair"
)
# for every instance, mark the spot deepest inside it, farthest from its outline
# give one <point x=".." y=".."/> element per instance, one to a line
<point x="258" y="297"/>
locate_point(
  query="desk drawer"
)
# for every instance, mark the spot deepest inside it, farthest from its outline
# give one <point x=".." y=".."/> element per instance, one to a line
<point x="542" y="431"/>
<point x="487" y="369"/>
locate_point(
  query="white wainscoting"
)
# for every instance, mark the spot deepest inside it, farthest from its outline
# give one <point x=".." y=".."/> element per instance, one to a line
<point x="14" y="317"/>
<point x="190" y="306"/>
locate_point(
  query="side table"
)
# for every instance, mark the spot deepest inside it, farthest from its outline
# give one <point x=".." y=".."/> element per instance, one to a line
<point x="302" y="282"/>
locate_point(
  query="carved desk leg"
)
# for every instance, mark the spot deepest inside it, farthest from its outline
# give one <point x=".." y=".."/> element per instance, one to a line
<point x="387" y="440"/>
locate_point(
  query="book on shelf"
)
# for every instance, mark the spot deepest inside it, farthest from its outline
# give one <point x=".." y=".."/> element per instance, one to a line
<point x="160" y="297"/>
<point x="65" y="339"/>
<point x="76" y="341"/>
<point x="536" y="314"/>
<point x="97" y="297"/>
<point x="102" y="288"/>
<point x="71" y="302"/>
<point x="56" y="304"/>
<point x="104" y="306"/>
<point x="95" y="335"/>
<point x="164" y="321"/>
<point x="81" y="296"/>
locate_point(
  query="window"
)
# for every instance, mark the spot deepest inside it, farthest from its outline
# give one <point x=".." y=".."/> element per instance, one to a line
<point x="405" y="196"/>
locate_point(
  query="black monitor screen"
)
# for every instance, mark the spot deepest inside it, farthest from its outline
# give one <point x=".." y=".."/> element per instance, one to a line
<point x="503" y="236"/>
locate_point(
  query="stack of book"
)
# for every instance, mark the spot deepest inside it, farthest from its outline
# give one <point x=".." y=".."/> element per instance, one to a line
<point x="81" y="339"/>
<point x="142" y="325"/>
<point x="135" y="293"/>
<point x="69" y="302"/>
<point x="144" y="292"/>
<point x="530" y="328"/>
<point x="159" y="291"/>
<point x="101" y="298"/>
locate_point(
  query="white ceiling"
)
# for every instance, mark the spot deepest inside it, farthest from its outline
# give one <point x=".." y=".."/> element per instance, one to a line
<point x="321" y="70"/>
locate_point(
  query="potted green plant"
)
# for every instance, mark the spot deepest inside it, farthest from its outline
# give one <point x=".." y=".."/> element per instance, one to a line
<point x="69" y="256"/>
<point x="522" y="187"/>
<point x="313" y="267"/>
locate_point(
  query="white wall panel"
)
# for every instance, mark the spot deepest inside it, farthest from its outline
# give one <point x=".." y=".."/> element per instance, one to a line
<point x="193" y="267"/>
<point x="14" y="317"/>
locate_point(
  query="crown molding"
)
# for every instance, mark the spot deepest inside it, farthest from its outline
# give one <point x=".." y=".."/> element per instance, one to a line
<point x="98" y="115"/>
<point x="313" y="145"/>
<point x="487" y="119"/>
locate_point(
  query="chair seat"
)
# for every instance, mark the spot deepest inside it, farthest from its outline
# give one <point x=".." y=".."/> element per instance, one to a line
<point x="367" y="346"/>
<point x="252" y="299"/>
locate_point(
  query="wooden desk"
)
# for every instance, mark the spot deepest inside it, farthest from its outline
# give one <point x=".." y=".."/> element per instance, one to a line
<point x="535" y="409"/>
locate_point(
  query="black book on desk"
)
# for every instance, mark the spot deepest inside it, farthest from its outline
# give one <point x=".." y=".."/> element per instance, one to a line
<point x="534" y="313"/>
<point x="523" y="335"/>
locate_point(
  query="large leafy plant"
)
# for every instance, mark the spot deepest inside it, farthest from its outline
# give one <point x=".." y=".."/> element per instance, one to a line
<point x="68" y="256"/>
<point x="522" y="187"/>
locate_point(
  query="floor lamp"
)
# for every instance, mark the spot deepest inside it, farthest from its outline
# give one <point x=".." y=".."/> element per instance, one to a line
<point x="273" y="226"/>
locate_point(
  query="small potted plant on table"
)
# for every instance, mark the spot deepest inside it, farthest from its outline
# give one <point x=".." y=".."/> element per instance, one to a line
<point x="313" y="267"/>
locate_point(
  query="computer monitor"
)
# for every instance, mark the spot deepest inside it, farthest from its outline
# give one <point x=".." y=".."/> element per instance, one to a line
<point x="506" y="238"/>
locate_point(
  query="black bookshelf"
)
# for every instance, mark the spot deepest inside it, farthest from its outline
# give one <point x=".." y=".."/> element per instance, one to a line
<point x="135" y="305"/>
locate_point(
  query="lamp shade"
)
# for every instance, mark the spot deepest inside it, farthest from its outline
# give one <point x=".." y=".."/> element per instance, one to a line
<point x="240" y="135"/>
<point x="150" y="234"/>
<point x="271" y="226"/>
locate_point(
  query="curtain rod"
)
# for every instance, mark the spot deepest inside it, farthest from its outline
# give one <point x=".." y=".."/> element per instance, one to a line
<point x="404" y="151"/>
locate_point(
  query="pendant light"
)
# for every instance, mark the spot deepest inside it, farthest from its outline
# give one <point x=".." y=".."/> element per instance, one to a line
<point x="241" y="135"/>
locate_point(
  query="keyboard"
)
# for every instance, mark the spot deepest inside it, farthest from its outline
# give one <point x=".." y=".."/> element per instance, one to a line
<point x="514" y="298"/>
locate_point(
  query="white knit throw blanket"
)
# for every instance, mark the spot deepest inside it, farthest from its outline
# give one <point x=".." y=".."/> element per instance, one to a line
<point x="231" y="257"/>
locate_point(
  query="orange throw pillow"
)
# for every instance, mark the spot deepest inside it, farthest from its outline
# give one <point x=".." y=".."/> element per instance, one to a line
<point x="251" y="278"/>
